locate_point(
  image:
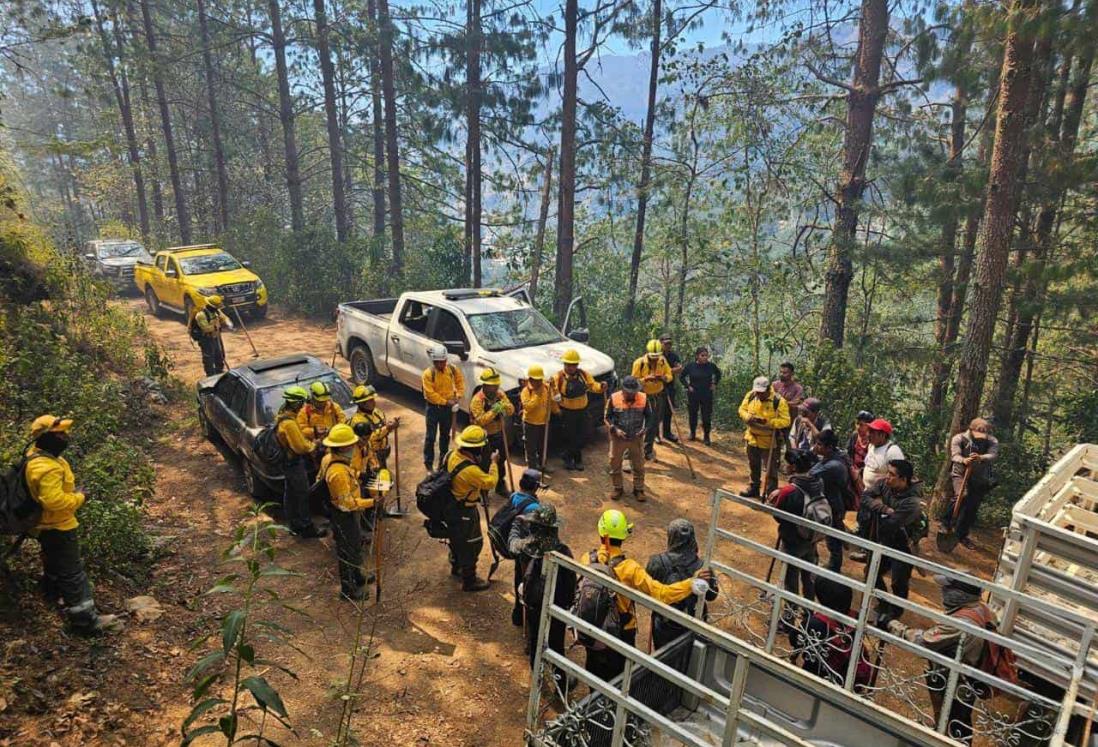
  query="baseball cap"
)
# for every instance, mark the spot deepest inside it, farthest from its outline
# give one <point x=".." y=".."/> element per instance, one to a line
<point x="882" y="425"/>
<point x="813" y="404"/>
<point x="532" y="477"/>
<point x="761" y="384"/>
<point x="630" y="384"/>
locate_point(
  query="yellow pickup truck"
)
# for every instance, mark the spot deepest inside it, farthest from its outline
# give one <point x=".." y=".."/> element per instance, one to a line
<point x="180" y="279"/>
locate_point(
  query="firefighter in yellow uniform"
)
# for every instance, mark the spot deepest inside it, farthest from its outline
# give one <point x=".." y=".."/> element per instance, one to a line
<point x="570" y="389"/>
<point x="348" y="503"/>
<point x="205" y="327"/>
<point x="614" y="529"/>
<point x="765" y="413"/>
<point x="475" y="471"/>
<point x="373" y="430"/>
<point x="537" y="407"/>
<point x="443" y="388"/>
<point x="297" y="453"/>
<point x="320" y="414"/>
<point x="492" y="410"/>
<point x="654" y="373"/>
<point x="51" y="483"/>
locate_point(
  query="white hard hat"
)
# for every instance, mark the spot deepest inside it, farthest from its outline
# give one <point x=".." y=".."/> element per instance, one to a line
<point x="437" y="353"/>
<point x="761" y="384"/>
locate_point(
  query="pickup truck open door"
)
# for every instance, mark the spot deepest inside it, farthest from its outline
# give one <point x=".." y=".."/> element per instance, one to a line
<point x="575" y="319"/>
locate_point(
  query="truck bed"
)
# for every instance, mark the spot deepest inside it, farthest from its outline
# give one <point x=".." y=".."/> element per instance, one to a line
<point x="382" y="308"/>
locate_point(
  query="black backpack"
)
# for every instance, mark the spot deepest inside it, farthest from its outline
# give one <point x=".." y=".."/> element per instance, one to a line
<point x="499" y="526"/>
<point x="434" y="496"/>
<point x="19" y="512"/>
<point x="266" y="446"/>
<point x="597" y="605"/>
<point x="533" y="585"/>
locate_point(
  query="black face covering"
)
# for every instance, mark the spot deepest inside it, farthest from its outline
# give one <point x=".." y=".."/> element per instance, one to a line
<point x="52" y="443"/>
<point x="979" y="443"/>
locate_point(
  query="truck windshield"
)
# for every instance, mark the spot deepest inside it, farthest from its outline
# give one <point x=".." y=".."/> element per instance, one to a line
<point x="122" y="249"/>
<point x="207" y="263"/>
<point x="505" y="330"/>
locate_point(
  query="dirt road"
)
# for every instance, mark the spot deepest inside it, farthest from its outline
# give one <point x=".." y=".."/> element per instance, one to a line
<point x="449" y="668"/>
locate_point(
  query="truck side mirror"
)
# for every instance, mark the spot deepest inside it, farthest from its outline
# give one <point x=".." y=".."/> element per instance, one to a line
<point x="581" y="335"/>
<point x="171" y="274"/>
<point x="457" y="347"/>
<point x="246" y="264"/>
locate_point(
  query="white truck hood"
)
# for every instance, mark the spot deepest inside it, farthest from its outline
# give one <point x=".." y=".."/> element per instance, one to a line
<point x="513" y="364"/>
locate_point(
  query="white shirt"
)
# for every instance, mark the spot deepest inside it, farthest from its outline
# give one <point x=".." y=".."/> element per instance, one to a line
<point x="876" y="462"/>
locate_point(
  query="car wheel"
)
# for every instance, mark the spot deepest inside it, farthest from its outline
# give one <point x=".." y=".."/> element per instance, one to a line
<point x="253" y="482"/>
<point x="362" y="365"/>
<point x="188" y="311"/>
<point x="152" y="302"/>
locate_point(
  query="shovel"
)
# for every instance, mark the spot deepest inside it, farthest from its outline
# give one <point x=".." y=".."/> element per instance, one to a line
<point x="947" y="540"/>
<point x="247" y="334"/>
<point x="399" y="513"/>
<point x="495" y="558"/>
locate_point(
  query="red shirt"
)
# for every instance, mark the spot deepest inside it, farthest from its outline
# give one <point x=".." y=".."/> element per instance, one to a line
<point x="789" y="392"/>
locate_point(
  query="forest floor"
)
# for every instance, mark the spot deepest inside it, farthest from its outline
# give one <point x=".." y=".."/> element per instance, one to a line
<point x="449" y="668"/>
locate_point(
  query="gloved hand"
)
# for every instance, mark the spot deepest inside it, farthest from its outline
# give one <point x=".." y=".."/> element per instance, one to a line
<point x="557" y="398"/>
<point x="699" y="586"/>
<point x="455" y="407"/>
<point x="498" y="408"/>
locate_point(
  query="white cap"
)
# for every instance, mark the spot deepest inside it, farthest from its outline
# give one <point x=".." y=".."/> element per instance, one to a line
<point x="761" y="384"/>
<point x="437" y="353"/>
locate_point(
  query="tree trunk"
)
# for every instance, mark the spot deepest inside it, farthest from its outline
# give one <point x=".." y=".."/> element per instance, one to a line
<point x="684" y="247"/>
<point x="215" y="120"/>
<point x="543" y="218"/>
<point x="392" y="142"/>
<point x="566" y="201"/>
<point x="335" y="147"/>
<point x="286" y="117"/>
<point x="182" y="215"/>
<point x="857" y="141"/>
<point x="646" y="160"/>
<point x="997" y="225"/>
<point x="150" y="152"/>
<point x="120" y="85"/>
<point x="376" y="126"/>
<point x="1034" y="286"/>
<point x="472" y="171"/>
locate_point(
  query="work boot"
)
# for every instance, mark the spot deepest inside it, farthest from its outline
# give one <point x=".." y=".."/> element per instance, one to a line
<point x="706" y="440"/>
<point x="618" y="494"/>
<point x="967" y="543"/>
<point x="650" y="455"/>
<point x="672" y="438"/>
<point x="310" y="531"/>
<point x="455" y="569"/>
<point x="470" y="582"/>
<point x="94" y="624"/>
<point x="693" y="436"/>
<point x="577" y="465"/>
<point x="516" y="616"/>
<point x="751" y="492"/>
<point x="427" y="466"/>
<point x="640" y="496"/>
<point x="569" y="464"/>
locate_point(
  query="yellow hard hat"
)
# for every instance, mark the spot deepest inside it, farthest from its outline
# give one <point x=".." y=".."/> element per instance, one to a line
<point x="655" y="347"/>
<point x="363" y="393"/>
<point x="381" y="482"/>
<point x="570" y="356"/>
<point x="320" y="391"/>
<point x="535" y="372"/>
<point x="490" y="377"/>
<point x="341" y="436"/>
<point x="50" y="424"/>
<point x="614" y="525"/>
<point x="215" y="301"/>
<point x="473" y="437"/>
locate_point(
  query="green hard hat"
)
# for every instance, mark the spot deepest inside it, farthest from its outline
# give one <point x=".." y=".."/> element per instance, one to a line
<point x="295" y="394"/>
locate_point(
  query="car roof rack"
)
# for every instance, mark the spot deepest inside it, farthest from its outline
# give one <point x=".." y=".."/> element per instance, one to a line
<point x="465" y="294"/>
<point x="189" y="247"/>
<point x="273" y="363"/>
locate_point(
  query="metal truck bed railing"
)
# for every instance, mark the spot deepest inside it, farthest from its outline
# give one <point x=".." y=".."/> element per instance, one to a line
<point x="1051" y="553"/>
<point x="735" y="691"/>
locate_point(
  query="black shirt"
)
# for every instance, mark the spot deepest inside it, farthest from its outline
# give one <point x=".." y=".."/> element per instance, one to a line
<point x="673" y="360"/>
<point x="702" y="376"/>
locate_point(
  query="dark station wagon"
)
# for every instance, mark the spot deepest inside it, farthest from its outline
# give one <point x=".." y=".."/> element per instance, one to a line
<point x="235" y="406"/>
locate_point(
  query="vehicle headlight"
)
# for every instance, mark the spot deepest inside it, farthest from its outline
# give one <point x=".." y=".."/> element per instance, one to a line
<point x="208" y="291"/>
<point x="259" y="285"/>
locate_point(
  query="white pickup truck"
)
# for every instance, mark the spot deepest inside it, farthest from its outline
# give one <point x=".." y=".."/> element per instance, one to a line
<point x="389" y="338"/>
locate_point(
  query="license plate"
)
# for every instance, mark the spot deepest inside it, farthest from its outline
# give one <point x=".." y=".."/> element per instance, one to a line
<point x="236" y="299"/>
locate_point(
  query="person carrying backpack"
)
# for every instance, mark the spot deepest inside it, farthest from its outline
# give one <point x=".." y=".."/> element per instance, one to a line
<point x="375" y="452"/>
<point x="345" y="493"/>
<point x="533" y="536"/>
<point x="834" y="470"/>
<point x="524" y="502"/>
<point x="538" y="408"/>
<point x="617" y="615"/>
<point x="825" y="643"/>
<point x="890" y="508"/>
<point x="320" y="414"/>
<point x="654" y="374"/>
<point x="492" y="410"/>
<point x="797" y="498"/>
<point x="443" y="388"/>
<point x="680" y="562"/>
<point x="205" y="327"/>
<point x="961" y="601"/>
<point x="627" y="412"/>
<point x="50" y="482"/>
<point x="475" y="471"/>
<point x="571" y="385"/>
<point x="297" y="450"/>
